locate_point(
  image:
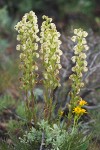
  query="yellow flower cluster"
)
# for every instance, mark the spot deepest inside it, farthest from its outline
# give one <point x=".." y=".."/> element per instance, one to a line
<point x="27" y="36"/>
<point x="78" y="110"/>
<point x="82" y="103"/>
<point x="50" y="52"/>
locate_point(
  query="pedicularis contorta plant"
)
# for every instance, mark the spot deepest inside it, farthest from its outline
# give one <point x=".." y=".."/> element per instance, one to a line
<point x="49" y="54"/>
<point x="28" y="38"/>
<point x="80" y="66"/>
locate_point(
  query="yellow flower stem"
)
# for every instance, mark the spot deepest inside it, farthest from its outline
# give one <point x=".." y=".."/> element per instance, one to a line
<point x="76" y="118"/>
<point x="48" y="102"/>
<point x="33" y="108"/>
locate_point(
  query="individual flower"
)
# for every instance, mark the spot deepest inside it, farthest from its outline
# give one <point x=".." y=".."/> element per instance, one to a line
<point x="18" y="47"/>
<point x="73" y="59"/>
<point x="74" y="38"/>
<point x="86" y="47"/>
<point x="76" y="31"/>
<point x="85" y="34"/>
<point x="82" y="55"/>
<point x="85" y="63"/>
<point x="85" y="69"/>
<point x="84" y="41"/>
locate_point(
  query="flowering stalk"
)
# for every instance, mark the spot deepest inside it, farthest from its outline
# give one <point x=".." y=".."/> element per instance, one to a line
<point x="27" y="36"/>
<point x="79" y="59"/>
<point x="50" y="56"/>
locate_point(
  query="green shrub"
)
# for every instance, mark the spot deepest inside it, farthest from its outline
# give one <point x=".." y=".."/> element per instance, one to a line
<point x="6" y="102"/>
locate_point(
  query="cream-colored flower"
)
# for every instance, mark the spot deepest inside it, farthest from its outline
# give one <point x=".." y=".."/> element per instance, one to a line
<point x="75" y="47"/>
<point x="18" y="47"/>
<point x="84" y="41"/>
<point x="82" y="55"/>
<point x="37" y="55"/>
<point x="85" y="63"/>
<point x="82" y="84"/>
<point x="75" y="31"/>
<point x="85" y="34"/>
<point x="74" y="38"/>
<point x="36" y="67"/>
<point x="86" y="47"/>
<point x="80" y="33"/>
<point x="73" y="69"/>
<point x="73" y="59"/>
<point x="18" y="38"/>
<point x="59" y="66"/>
<point x="85" y="69"/>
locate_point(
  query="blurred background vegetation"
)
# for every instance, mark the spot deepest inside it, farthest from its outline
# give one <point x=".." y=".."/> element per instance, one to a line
<point x="67" y="15"/>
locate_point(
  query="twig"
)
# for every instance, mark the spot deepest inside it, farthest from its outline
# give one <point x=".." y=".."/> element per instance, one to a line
<point x="91" y="71"/>
<point x="95" y="57"/>
<point x="92" y="107"/>
<point x="89" y="122"/>
<point x="87" y="91"/>
<point x="42" y="141"/>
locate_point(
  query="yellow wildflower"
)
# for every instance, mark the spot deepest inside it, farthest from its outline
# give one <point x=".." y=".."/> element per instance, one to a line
<point x="82" y="103"/>
<point x="61" y="113"/>
<point x="79" y="111"/>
